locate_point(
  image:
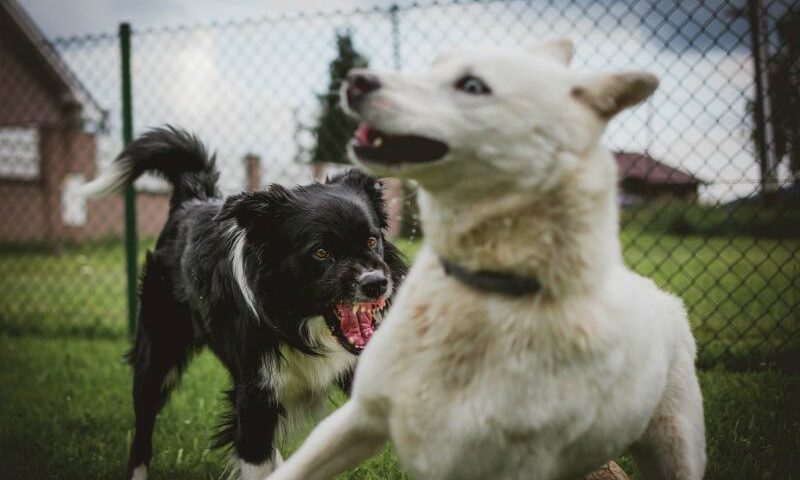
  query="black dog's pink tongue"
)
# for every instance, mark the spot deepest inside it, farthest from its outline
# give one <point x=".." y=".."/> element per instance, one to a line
<point x="362" y="134"/>
<point x="356" y="326"/>
<point x="365" y="324"/>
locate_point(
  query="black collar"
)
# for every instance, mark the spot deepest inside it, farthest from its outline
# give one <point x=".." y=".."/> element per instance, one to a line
<point x="496" y="282"/>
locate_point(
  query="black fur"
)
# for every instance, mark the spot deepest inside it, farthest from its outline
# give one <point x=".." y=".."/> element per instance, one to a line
<point x="190" y="297"/>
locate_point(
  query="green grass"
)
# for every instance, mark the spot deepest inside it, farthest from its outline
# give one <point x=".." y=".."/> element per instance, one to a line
<point x="65" y="408"/>
<point x="742" y="293"/>
<point x="65" y="413"/>
<point x="77" y="292"/>
<point x="754" y="219"/>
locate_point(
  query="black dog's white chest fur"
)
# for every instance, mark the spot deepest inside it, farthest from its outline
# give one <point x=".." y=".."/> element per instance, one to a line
<point x="303" y="382"/>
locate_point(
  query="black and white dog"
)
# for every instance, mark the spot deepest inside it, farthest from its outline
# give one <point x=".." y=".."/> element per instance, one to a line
<point x="285" y="286"/>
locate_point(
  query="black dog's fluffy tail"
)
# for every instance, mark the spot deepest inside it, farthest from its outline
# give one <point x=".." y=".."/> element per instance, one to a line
<point x="175" y="154"/>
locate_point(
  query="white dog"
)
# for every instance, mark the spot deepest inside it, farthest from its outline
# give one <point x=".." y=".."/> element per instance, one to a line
<point x="519" y="346"/>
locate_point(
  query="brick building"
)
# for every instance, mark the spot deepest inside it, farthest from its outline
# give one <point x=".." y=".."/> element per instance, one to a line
<point x="47" y="147"/>
<point x="643" y="178"/>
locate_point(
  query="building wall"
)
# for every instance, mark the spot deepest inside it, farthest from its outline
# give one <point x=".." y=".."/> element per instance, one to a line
<point x="23" y="216"/>
<point x="661" y="191"/>
<point x="32" y="211"/>
<point x="24" y="99"/>
<point x="106" y="217"/>
<point x="22" y="208"/>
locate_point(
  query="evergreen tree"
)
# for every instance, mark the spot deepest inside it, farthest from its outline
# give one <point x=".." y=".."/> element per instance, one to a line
<point x="784" y="77"/>
<point x="334" y="129"/>
<point x="783" y="73"/>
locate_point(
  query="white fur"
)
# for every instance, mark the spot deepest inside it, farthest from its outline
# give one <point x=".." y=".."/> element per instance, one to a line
<point x="111" y="180"/>
<point x="139" y="473"/>
<point x="303" y="382"/>
<point x="239" y="469"/>
<point x="249" y="471"/>
<point x="475" y="385"/>
<point x="239" y="271"/>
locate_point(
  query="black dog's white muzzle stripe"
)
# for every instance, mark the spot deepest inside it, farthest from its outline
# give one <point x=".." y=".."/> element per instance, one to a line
<point x="495" y="282"/>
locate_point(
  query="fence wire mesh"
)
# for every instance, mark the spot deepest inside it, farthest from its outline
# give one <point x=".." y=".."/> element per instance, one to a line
<point x="704" y="214"/>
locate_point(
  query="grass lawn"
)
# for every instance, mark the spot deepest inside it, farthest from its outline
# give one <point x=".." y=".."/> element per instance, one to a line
<point x="743" y="294"/>
<point x="65" y="407"/>
<point x="65" y="413"/>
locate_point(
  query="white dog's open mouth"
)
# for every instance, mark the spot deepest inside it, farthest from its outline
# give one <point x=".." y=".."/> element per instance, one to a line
<point x="371" y="145"/>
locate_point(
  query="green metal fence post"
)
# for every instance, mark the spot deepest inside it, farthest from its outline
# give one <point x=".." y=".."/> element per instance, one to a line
<point x="131" y="240"/>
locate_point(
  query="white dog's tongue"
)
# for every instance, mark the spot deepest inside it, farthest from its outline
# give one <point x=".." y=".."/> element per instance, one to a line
<point x="362" y="134"/>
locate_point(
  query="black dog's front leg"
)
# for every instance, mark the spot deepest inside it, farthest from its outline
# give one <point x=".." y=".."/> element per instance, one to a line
<point x="257" y="415"/>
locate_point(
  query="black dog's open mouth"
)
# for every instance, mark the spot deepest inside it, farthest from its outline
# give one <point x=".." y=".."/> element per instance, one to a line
<point x="354" y="324"/>
<point x="374" y="146"/>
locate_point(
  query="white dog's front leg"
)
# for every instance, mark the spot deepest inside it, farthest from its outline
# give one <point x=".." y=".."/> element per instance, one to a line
<point x="674" y="445"/>
<point x="348" y="436"/>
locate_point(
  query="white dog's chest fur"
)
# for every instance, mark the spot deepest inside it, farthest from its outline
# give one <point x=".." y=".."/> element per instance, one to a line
<point x="514" y="392"/>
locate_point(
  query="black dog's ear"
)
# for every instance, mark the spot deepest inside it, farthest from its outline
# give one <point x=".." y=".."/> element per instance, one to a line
<point x="371" y="186"/>
<point x="249" y="207"/>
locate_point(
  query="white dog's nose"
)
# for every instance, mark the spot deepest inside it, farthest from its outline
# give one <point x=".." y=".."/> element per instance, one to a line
<point x="360" y="83"/>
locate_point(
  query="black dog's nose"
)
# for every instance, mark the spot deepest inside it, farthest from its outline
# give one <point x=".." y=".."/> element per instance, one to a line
<point x="373" y="283"/>
<point x="360" y="83"/>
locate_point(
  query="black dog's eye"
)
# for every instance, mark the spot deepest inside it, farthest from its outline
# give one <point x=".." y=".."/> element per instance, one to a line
<point x="321" y="254"/>
<point x="372" y="242"/>
<point x="472" y="85"/>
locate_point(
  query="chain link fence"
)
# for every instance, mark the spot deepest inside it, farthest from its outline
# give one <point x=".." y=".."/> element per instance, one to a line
<point x="709" y="211"/>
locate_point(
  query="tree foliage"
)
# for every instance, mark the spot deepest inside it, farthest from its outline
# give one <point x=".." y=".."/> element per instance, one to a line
<point x="783" y="73"/>
<point x="334" y="129"/>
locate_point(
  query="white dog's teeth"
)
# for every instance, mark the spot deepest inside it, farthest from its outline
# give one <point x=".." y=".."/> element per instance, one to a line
<point x="355" y="308"/>
<point x="352" y="340"/>
<point x="377" y="142"/>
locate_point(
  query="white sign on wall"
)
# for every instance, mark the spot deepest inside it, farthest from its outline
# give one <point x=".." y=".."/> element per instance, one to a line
<point x="73" y="206"/>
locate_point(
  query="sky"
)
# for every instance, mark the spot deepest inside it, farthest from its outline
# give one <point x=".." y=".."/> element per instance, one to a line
<point x="62" y="18"/>
<point x="253" y="86"/>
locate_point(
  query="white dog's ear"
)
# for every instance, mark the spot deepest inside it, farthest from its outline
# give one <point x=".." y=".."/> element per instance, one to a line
<point x="559" y="49"/>
<point x="610" y="94"/>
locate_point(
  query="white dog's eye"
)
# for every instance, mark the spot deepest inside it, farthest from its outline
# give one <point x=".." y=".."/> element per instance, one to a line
<point x="472" y="85"/>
